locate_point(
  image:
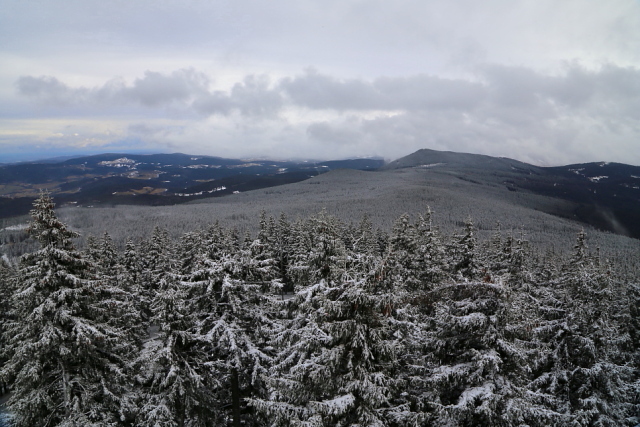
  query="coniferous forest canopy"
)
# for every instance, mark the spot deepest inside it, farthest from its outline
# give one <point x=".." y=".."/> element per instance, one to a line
<point x="317" y="322"/>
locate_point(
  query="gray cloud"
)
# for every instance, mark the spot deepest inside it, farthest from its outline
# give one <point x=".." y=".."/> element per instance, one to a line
<point x="496" y="88"/>
<point x="152" y="90"/>
<point x="50" y="90"/>
<point x="395" y="76"/>
<point x="186" y="89"/>
<point x="326" y="133"/>
<point x="317" y="91"/>
<point x="581" y="115"/>
<point x="501" y="110"/>
<point x="156" y="89"/>
<point x="252" y="97"/>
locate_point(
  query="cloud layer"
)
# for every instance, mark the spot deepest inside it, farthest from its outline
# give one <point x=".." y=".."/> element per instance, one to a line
<point x="324" y="79"/>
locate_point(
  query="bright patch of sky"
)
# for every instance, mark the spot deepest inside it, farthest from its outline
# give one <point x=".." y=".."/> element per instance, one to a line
<point x="541" y="81"/>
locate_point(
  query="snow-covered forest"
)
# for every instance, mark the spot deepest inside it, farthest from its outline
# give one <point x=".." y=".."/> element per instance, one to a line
<point x="316" y="323"/>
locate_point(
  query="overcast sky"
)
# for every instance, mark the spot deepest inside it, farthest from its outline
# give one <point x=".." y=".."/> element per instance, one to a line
<point x="541" y="81"/>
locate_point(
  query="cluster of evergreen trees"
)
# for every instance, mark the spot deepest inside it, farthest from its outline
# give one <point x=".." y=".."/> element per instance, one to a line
<point x="316" y="323"/>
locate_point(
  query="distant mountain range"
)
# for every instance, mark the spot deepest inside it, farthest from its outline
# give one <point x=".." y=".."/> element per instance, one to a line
<point x="155" y="179"/>
<point x="604" y="195"/>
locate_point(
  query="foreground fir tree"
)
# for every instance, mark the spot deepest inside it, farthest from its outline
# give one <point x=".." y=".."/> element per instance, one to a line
<point x="336" y="366"/>
<point x="477" y="373"/>
<point x="178" y="390"/>
<point x="319" y="251"/>
<point x="430" y="260"/>
<point x="463" y="252"/>
<point x="233" y="321"/>
<point x="282" y="248"/>
<point x="261" y="264"/>
<point x="582" y="370"/>
<point x="236" y="334"/>
<point x="156" y="258"/>
<point x="402" y="252"/>
<point x="6" y="291"/>
<point x="117" y="299"/>
<point x="63" y="364"/>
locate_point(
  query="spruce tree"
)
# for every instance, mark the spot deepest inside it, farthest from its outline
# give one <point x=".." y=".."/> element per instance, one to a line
<point x="156" y="260"/>
<point x="462" y="251"/>
<point x="319" y="251"/>
<point x="63" y="364"/>
<point x="236" y="334"/>
<point x="7" y="283"/>
<point x="282" y="240"/>
<point x="178" y="388"/>
<point x="476" y="371"/>
<point x="337" y="360"/>
<point x="429" y="261"/>
<point x="401" y="253"/>
<point x="581" y="371"/>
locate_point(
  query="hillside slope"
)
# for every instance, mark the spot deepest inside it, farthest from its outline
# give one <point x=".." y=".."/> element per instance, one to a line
<point x="473" y="186"/>
<point x="603" y="195"/>
<point x="383" y="196"/>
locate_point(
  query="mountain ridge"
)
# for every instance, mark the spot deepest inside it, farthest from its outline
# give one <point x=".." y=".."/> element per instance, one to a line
<point x="149" y="179"/>
<point x="603" y="195"/>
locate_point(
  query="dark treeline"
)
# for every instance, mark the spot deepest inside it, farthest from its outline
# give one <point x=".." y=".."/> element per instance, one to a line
<point x="316" y="323"/>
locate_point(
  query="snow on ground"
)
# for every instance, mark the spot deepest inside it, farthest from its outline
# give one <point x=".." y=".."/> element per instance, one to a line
<point x="17" y="227"/>
<point x="597" y="178"/>
<point x="4" y="417"/>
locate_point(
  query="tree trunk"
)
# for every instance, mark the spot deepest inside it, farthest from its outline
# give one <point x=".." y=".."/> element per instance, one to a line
<point x="181" y="411"/>
<point x="66" y="390"/>
<point x="235" y="398"/>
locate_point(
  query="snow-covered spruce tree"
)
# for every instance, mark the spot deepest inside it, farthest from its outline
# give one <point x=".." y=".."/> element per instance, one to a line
<point x="236" y="332"/>
<point x="337" y="357"/>
<point x="298" y="269"/>
<point x="228" y="320"/>
<point x="319" y="251"/>
<point x="104" y="253"/>
<point x="7" y="283"/>
<point x="300" y="339"/>
<point x="476" y="373"/>
<point x="429" y="260"/>
<point x="188" y="252"/>
<point x="507" y="259"/>
<point x="634" y="350"/>
<point x="401" y="254"/>
<point x="117" y="299"/>
<point x="363" y="257"/>
<point x="92" y="251"/>
<point x="581" y="370"/>
<point x="415" y="268"/>
<point x="462" y="251"/>
<point x="156" y="259"/>
<point x="257" y="258"/>
<point x="63" y="365"/>
<point x="130" y="261"/>
<point x="283" y="250"/>
<point x="492" y="256"/>
<point x="382" y="238"/>
<point x="178" y="389"/>
<point x="131" y="281"/>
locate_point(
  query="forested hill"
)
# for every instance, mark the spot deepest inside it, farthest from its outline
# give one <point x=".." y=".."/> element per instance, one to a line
<point x="411" y="327"/>
<point x="154" y="179"/>
<point x="603" y="195"/>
